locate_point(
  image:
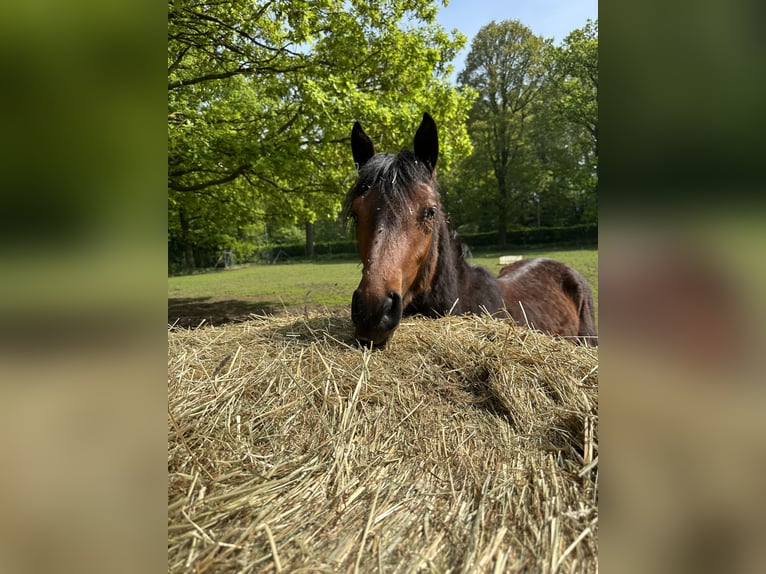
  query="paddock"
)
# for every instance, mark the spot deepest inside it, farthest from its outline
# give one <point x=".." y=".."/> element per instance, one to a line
<point x="468" y="444"/>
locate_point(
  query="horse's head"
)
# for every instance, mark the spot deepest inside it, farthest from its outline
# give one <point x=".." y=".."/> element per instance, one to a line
<point x="395" y="207"/>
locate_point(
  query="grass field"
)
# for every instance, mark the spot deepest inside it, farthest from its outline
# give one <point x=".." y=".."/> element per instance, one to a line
<point x="223" y="296"/>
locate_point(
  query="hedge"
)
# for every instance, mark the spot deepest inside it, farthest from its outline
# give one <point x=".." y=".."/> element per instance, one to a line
<point x="527" y="237"/>
<point x="321" y="248"/>
<point x="535" y="236"/>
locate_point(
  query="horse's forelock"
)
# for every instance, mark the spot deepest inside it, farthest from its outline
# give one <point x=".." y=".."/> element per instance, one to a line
<point x="396" y="177"/>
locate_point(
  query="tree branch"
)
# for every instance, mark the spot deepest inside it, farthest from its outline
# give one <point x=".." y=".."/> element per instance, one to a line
<point x="206" y="78"/>
<point x="226" y="179"/>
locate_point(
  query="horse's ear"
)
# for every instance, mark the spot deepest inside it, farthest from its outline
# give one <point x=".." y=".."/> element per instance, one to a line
<point x="427" y="142"/>
<point x="361" y="145"/>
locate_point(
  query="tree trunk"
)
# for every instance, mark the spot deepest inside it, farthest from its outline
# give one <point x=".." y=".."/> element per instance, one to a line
<point x="187" y="242"/>
<point x="309" y="239"/>
<point x="502" y="209"/>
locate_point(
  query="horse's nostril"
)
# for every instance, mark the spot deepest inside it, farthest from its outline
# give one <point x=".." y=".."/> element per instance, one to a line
<point x="375" y="318"/>
<point x="392" y="310"/>
<point x="357" y="306"/>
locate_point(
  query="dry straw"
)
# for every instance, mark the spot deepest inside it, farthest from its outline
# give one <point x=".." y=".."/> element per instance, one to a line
<point x="467" y="445"/>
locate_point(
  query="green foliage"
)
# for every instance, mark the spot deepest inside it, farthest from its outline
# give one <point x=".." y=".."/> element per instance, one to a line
<point x="262" y="95"/>
<point x="322" y="249"/>
<point x="505" y="65"/>
<point x="574" y="94"/>
<point x="576" y="74"/>
<point x="536" y="236"/>
<point x="534" y="129"/>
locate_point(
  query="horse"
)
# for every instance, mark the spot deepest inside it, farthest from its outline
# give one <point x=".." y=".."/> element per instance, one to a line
<point x="413" y="263"/>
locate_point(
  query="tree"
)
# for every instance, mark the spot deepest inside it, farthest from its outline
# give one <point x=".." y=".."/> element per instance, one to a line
<point x="575" y="79"/>
<point x="534" y="129"/>
<point x="577" y="75"/>
<point x="505" y="66"/>
<point x="261" y="96"/>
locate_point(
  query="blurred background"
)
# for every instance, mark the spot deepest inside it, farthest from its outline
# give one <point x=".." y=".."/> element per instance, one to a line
<point x="682" y="275"/>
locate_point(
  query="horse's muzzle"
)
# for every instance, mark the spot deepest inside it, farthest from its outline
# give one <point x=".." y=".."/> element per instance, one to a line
<point x="375" y="319"/>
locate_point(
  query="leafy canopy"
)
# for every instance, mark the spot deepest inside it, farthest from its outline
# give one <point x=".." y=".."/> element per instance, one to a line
<point x="262" y="95"/>
<point x="534" y="130"/>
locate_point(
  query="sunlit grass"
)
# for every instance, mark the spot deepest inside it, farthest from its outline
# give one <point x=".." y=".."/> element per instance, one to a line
<point x="330" y="284"/>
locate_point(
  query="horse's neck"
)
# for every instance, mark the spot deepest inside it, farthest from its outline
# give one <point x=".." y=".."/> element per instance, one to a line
<point x="469" y="289"/>
<point x="451" y="284"/>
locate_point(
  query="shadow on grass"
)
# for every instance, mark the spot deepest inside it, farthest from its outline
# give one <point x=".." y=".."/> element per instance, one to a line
<point x="195" y="311"/>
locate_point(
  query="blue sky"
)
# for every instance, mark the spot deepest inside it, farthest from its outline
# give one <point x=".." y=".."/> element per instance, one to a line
<point x="547" y="18"/>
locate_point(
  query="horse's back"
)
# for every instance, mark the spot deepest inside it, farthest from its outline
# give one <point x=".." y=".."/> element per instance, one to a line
<point x="549" y="296"/>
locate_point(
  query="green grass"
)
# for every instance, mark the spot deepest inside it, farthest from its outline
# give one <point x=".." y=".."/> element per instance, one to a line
<point x="326" y="284"/>
<point x="286" y="284"/>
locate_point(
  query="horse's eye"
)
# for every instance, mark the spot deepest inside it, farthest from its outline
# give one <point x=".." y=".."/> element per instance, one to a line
<point x="429" y="213"/>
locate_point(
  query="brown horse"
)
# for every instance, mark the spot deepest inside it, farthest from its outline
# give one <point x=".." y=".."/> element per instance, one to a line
<point x="413" y="262"/>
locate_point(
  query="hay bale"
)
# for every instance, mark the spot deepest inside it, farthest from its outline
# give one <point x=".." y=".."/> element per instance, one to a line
<point x="468" y="444"/>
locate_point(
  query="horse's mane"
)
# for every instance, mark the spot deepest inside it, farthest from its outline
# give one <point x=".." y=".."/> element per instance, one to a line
<point x="395" y="175"/>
